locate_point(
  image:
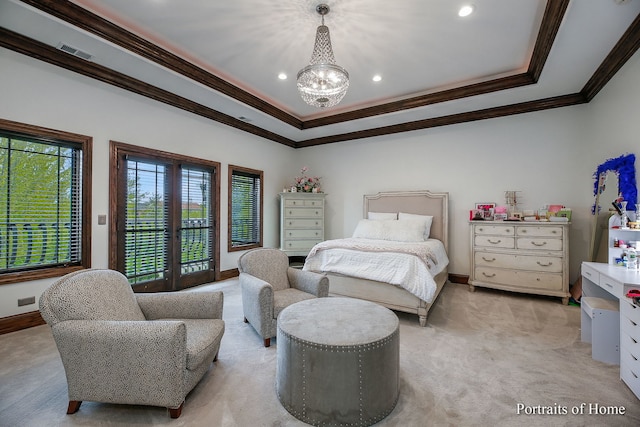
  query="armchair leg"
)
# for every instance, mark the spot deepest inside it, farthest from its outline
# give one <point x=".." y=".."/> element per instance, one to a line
<point x="215" y="358"/>
<point x="245" y="320"/>
<point x="176" y="412"/>
<point x="267" y="342"/>
<point x="73" y="407"/>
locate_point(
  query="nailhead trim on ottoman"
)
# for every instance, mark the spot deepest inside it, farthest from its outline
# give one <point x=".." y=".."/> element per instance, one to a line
<point x="338" y="361"/>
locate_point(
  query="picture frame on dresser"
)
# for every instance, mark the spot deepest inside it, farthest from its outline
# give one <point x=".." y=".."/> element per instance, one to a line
<point x="487" y="210"/>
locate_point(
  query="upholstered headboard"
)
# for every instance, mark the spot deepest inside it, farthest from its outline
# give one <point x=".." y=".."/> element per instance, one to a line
<point x="422" y="202"/>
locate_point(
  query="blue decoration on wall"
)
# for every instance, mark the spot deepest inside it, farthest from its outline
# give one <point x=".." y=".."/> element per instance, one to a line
<point x="625" y="168"/>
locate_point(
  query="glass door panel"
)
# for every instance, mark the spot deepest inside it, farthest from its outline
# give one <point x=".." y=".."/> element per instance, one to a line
<point x="196" y="226"/>
<point x="146" y="225"/>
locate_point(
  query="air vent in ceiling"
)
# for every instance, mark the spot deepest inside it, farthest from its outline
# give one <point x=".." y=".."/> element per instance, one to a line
<point x="74" y="51"/>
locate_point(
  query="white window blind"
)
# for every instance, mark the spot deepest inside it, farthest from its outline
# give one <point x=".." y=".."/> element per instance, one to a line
<point x="40" y="203"/>
<point x="146" y="221"/>
<point x="245" y="208"/>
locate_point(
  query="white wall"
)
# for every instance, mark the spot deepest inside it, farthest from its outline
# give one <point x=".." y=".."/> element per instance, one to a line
<point x="549" y="156"/>
<point x="40" y="94"/>
<point x="475" y="162"/>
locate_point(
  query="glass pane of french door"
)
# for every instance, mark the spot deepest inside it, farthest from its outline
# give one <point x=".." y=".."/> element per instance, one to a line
<point x="196" y="221"/>
<point x="146" y="223"/>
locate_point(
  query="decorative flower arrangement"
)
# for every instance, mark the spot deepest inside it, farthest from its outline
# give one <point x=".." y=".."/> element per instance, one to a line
<point x="307" y="184"/>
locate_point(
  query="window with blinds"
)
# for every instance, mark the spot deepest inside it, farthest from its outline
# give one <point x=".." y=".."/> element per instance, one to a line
<point x="41" y="202"/>
<point x="245" y="208"/>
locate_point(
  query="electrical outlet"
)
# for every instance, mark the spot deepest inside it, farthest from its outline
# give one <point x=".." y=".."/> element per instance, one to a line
<point x="102" y="219"/>
<point x="26" y="301"/>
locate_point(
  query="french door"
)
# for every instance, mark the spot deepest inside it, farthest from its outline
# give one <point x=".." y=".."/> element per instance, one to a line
<point x="166" y="220"/>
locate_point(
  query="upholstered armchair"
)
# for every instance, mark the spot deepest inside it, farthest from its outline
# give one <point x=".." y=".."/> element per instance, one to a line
<point x="126" y="348"/>
<point x="269" y="285"/>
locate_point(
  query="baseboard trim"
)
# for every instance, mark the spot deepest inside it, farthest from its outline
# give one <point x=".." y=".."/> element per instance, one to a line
<point x="229" y="274"/>
<point x="459" y="278"/>
<point x="20" y="321"/>
<point x="33" y="318"/>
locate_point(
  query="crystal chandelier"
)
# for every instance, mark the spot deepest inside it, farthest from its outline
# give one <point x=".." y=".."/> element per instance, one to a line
<point x="323" y="83"/>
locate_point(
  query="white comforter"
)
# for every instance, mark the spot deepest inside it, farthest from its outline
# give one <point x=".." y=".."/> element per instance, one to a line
<point x="411" y="265"/>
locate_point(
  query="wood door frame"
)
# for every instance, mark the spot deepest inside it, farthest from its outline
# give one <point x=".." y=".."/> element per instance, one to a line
<point x="117" y="149"/>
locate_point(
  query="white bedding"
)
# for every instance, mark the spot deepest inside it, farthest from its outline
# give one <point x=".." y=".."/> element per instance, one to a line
<point x="411" y="265"/>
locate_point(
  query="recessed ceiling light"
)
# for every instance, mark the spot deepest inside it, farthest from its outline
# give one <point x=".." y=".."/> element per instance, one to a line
<point x="377" y="78"/>
<point x="282" y="76"/>
<point x="466" y="10"/>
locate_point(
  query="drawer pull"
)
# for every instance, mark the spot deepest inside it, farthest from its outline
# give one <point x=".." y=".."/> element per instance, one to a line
<point x="317" y="212"/>
<point x="544" y="265"/>
<point x="608" y="284"/>
<point x="290" y="212"/>
<point x="290" y="234"/>
<point x="488" y="260"/>
<point x="553" y="232"/>
<point x="524" y="231"/>
<point x="290" y="222"/>
<point x="488" y="275"/>
<point x="633" y="323"/>
<point x="480" y="229"/>
<point x="634" y="340"/>
<point x="494" y="242"/>
<point x="539" y="244"/>
<point x="588" y="273"/>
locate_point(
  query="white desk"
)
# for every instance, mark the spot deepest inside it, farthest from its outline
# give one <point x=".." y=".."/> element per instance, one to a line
<point x="612" y="282"/>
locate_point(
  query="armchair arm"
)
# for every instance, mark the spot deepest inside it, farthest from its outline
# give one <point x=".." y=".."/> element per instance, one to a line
<point x="257" y="302"/>
<point x="309" y="281"/>
<point x="130" y="362"/>
<point x="181" y="305"/>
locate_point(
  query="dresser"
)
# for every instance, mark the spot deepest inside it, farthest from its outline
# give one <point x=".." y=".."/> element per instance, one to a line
<point x="601" y="280"/>
<point x="521" y="257"/>
<point x="301" y="222"/>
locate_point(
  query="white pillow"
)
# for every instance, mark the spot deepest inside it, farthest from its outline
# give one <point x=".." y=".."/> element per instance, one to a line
<point x="426" y="219"/>
<point x="399" y="231"/>
<point x="382" y="215"/>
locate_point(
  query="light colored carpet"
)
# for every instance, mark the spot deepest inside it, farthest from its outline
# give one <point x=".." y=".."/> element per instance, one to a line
<point x="481" y="355"/>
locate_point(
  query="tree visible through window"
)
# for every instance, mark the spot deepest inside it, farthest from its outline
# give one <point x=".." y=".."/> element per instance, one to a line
<point x="41" y="204"/>
<point x="245" y="208"/>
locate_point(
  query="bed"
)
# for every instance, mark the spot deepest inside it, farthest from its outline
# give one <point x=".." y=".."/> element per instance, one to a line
<point x="345" y="270"/>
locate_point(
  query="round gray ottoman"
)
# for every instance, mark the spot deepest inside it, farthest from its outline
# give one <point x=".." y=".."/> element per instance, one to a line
<point x="338" y="361"/>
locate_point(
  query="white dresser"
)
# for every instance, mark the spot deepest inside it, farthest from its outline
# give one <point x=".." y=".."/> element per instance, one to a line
<point x="521" y="257"/>
<point x="611" y="282"/>
<point x="301" y="222"/>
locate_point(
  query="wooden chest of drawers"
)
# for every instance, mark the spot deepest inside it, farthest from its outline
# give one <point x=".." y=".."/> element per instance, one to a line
<point x="301" y="222"/>
<point x="521" y="257"/>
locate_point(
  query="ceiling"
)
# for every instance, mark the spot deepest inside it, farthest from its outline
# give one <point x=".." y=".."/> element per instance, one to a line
<point x="221" y="59"/>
